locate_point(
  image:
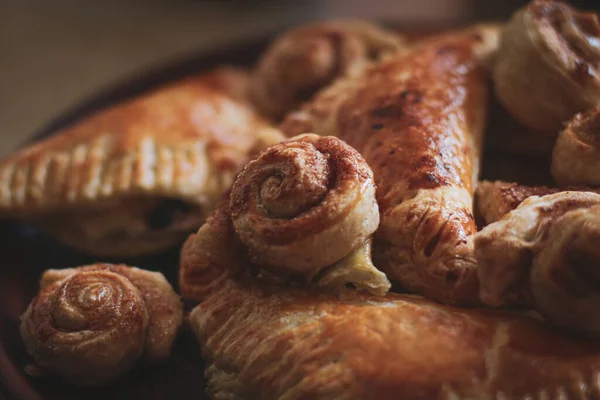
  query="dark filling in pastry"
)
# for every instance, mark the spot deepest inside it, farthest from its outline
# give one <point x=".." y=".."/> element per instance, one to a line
<point x="166" y="212"/>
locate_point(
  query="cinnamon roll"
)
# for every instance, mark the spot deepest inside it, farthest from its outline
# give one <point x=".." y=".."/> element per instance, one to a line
<point x="545" y="254"/>
<point x="576" y="155"/>
<point x="304" y="209"/>
<point x="305" y="59"/>
<point x="90" y="325"/>
<point x="546" y="68"/>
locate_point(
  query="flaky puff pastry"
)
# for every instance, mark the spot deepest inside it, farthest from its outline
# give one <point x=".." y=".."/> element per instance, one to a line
<point x="545" y="254"/>
<point x="90" y="325"/>
<point x="576" y="155"/>
<point x="418" y="120"/>
<point x="304" y="209"/>
<point x="264" y="341"/>
<point x="140" y="176"/>
<point x="305" y="59"/>
<point x="546" y="68"/>
<point x="495" y="199"/>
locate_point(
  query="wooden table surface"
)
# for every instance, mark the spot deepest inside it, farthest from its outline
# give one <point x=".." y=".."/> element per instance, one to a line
<point x="56" y="54"/>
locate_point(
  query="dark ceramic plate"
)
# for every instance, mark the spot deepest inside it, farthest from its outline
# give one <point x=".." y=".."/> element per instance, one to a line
<point x="26" y="253"/>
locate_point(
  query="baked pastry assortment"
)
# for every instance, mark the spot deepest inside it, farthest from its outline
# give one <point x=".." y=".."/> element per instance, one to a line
<point x="155" y="164"/>
<point x="296" y="232"/>
<point x="546" y="68"/>
<point x="90" y="325"/>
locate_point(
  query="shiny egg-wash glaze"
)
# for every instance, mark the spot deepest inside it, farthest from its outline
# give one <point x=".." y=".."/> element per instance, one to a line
<point x="418" y="120"/>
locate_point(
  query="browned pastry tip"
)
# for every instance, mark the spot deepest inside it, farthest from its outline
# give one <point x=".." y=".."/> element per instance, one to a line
<point x="307" y="58"/>
<point x="155" y="163"/>
<point x="305" y="205"/>
<point x="576" y="155"/>
<point x="268" y="342"/>
<point x="544" y="254"/>
<point x="546" y="68"/>
<point x="90" y="325"/>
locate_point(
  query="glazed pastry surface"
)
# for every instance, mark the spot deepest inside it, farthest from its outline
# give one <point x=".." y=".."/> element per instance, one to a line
<point x="265" y="341"/>
<point x="417" y="119"/>
<point x="90" y="325"/>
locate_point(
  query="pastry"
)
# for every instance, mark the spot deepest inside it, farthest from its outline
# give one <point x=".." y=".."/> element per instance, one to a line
<point x="138" y="177"/>
<point x="496" y="199"/>
<point x="90" y="325"/>
<point x="576" y="155"/>
<point x="304" y="209"/>
<point x="265" y="341"/>
<point x="546" y="69"/>
<point x="307" y="58"/>
<point x="544" y="254"/>
<point x="418" y="119"/>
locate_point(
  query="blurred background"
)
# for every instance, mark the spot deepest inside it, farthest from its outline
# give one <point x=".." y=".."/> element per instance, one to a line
<point x="56" y="54"/>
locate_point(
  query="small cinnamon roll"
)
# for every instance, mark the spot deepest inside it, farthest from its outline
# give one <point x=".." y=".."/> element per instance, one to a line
<point x="576" y="155"/>
<point x="546" y="68"/>
<point x="90" y="325"/>
<point x="545" y="254"/>
<point x="304" y="209"/>
<point x="308" y="58"/>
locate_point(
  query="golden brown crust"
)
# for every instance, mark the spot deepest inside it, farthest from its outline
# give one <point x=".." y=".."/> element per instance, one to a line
<point x="545" y="254"/>
<point x="90" y="325"/>
<point x="184" y="141"/>
<point x="546" y="68"/>
<point x="268" y="342"/>
<point x="305" y="59"/>
<point x="418" y="120"/>
<point x="576" y="155"/>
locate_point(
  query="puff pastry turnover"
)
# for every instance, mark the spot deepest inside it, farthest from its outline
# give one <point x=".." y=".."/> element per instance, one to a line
<point x="264" y="341"/>
<point x="140" y="176"/>
<point x="417" y="118"/>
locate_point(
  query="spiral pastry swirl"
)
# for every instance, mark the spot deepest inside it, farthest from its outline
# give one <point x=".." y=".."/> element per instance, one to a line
<point x="576" y="155"/>
<point x="90" y="325"/>
<point x="546" y="69"/>
<point x="306" y="204"/>
<point x="306" y="59"/>
<point x="545" y="254"/>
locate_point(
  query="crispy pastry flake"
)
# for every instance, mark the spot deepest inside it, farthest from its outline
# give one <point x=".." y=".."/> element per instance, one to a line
<point x="90" y="325"/>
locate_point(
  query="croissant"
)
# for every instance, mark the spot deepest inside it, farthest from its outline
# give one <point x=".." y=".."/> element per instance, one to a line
<point x="304" y="209"/>
<point x="544" y="254"/>
<point x="496" y="199"/>
<point x="90" y="325"/>
<point x="155" y="163"/>
<point x="576" y="155"/>
<point x="546" y="67"/>
<point x="263" y="341"/>
<point x="417" y="118"/>
<point x="303" y="60"/>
